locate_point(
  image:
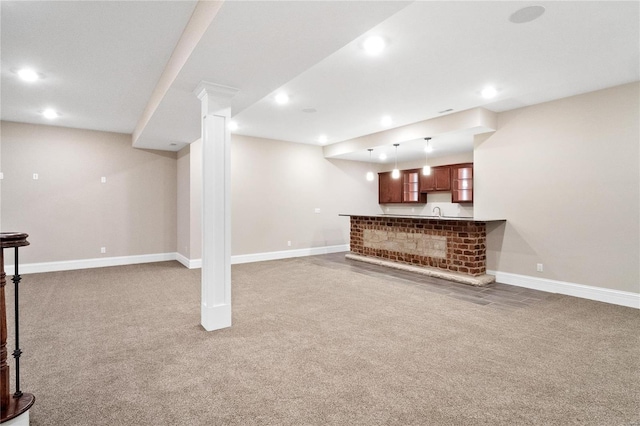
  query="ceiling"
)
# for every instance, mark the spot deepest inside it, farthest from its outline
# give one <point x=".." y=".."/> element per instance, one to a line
<point x="102" y="60"/>
<point x="99" y="60"/>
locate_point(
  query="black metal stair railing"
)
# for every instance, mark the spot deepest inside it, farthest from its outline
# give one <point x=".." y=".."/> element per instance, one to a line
<point x="20" y="403"/>
<point x="17" y="352"/>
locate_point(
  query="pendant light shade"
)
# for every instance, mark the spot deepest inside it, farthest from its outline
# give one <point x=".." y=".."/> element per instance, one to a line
<point x="426" y="170"/>
<point x="395" y="174"/>
<point x="370" y="172"/>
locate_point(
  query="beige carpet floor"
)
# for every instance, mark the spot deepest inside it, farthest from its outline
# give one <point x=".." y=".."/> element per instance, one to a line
<point x="312" y="345"/>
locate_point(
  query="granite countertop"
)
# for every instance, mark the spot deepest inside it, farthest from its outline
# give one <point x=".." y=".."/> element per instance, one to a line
<point x="460" y="218"/>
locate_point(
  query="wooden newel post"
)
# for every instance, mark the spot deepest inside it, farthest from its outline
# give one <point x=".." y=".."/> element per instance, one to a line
<point x="11" y="406"/>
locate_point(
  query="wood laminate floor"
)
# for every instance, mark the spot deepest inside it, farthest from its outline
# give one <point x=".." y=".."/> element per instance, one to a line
<point x="495" y="295"/>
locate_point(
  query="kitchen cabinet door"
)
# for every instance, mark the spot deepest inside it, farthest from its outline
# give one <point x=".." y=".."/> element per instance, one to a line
<point x="438" y="180"/>
<point x="462" y="182"/>
<point x="411" y="187"/>
<point x="389" y="189"/>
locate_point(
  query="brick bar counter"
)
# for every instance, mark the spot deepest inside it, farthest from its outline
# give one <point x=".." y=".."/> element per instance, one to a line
<point x="452" y="248"/>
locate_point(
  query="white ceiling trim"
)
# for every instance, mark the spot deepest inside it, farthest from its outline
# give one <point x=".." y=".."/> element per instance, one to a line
<point x="204" y="13"/>
<point x="462" y="125"/>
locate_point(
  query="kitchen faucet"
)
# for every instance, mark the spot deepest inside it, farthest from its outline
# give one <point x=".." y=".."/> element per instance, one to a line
<point x="439" y="211"/>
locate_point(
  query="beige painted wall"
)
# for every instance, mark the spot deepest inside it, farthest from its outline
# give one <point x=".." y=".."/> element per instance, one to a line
<point x="183" y="208"/>
<point x="275" y="187"/>
<point x="565" y="175"/>
<point x="195" y="200"/>
<point x="190" y="201"/>
<point x="68" y="213"/>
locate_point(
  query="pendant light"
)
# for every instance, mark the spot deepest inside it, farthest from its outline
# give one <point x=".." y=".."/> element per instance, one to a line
<point x="426" y="170"/>
<point x="370" y="172"/>
<point x="396" y="173"/>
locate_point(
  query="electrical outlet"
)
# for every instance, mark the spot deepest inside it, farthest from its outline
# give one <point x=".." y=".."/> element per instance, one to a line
<point x="539" y="267"/>
<point x="316" y="210"/>
<point x="103" y="179"/>
<point x="289" y="243"/>
<point x="35" y="176"/>
<point x="1" y="175"/>
<point x="103" y="250"/>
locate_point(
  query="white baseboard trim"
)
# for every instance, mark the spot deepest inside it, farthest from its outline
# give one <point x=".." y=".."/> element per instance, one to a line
<point x="616" y="297"/>
<point x="285" y="254"/>
<point x="189" y="263"/>
<point x="273" y="255"/>
<point x="69" y="265"/>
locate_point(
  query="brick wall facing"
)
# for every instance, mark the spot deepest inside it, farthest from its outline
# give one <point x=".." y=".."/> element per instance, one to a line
<point x="465" y="242"/>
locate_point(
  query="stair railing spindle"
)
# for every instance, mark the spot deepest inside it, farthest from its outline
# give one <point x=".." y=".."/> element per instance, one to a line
<point x="17" y="352"/>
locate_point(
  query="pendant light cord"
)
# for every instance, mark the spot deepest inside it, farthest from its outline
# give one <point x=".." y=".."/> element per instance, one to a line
<point x="396" y="145"/>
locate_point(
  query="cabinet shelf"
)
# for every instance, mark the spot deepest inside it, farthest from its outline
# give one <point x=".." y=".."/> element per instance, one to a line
<point x="404" y="190"/>
<point x="462" y="183"/>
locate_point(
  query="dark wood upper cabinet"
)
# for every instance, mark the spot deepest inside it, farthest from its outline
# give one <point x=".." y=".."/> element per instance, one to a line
<point x="438" y="180"/>
<point x="411" y="187"/>
<point x="405" y="189"/>
<point x="389" y="189"/>
<point x="462" y="183"/>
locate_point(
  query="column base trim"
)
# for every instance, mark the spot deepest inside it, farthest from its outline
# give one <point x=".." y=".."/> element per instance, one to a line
<point x="215" y="317"/>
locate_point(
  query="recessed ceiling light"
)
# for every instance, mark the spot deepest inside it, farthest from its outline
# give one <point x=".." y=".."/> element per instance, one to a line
<point x="50" y="114"/>
<point x="526" y="14"/>
<point x="489" y="92"/>
<point x="233" y="126"/>
<point x="382" y="156"/>
<point x="322" y="139"/>
<point x="27" y="74"/>
<point x="282" y="98"/>
<point x="374" y="45"/>
<point x="386" y="121"/>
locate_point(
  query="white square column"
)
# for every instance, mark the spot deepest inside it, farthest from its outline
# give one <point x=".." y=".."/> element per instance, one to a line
<point x="216" y="205"/>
